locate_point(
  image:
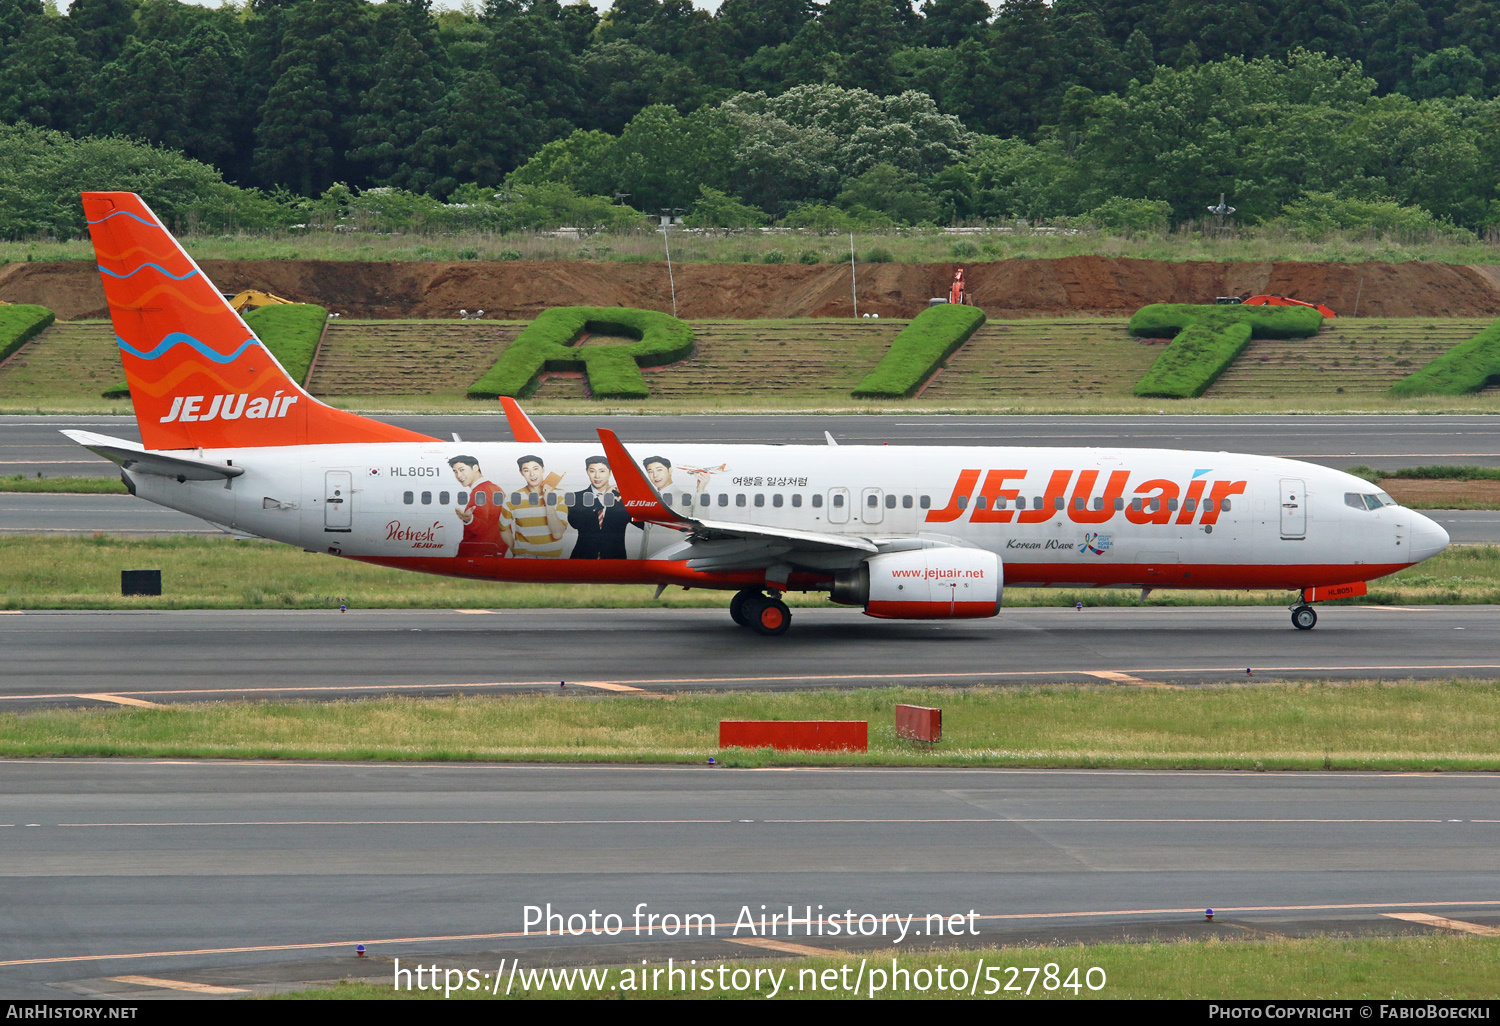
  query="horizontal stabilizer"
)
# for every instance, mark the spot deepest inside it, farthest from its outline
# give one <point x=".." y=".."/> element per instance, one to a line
<point x="136" y="458"/>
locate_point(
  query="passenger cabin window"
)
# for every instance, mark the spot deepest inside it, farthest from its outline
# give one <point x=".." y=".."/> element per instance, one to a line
<point x="760" y="499"/>
<point x="963" y="502"/>
<point x="776" y="500"/>
<point x="442" y="498"/>
<point x="588" y="498"/>
<point x="1225" y="506"/>
<point x="838" y="502"/>
<point x="906" y="502"/>
<point x="481" y="498"/>
<point x="427" y="498"/>
<point x="1135" y="504"/>
<point x="1057" y="503"/>
<point x="463" y="498"/>
<point x="890" y="502"/>
<point x="1208" y="505"/>
<point x="739" y="500"/>
<point x="667" y="498"/>
<point x="872" y="501"/>
<point x="817" y="501"/>
<point x="796" y="500"/>
<point x="408" y="498"/>
<point x="1172" y="504"/>
<point x="925" y="502"/>
<point x="723" y="498"/>
<point x="979" y="502"/>
<point x="1119" y="502"/>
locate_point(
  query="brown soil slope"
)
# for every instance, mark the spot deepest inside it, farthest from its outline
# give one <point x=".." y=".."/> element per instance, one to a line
<point x="1004" y="288"/>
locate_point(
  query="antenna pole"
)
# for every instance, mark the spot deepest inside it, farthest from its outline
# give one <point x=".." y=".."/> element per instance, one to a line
<point x="853" y="277"/>
<point x="671" y="279"/>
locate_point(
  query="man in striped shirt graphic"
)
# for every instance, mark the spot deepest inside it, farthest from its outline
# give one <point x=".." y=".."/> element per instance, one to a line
<point x="530" y="524"/>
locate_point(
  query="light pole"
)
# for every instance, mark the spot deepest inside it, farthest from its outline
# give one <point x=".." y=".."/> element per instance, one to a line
<point x="1223" y="210"/>
<point x="668" y="214"/>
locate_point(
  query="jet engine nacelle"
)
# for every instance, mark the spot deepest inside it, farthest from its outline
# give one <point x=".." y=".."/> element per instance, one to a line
<point x="949" y="583"/>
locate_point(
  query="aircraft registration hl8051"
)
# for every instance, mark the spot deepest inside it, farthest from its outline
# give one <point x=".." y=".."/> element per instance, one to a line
<point x="904" y="532"/>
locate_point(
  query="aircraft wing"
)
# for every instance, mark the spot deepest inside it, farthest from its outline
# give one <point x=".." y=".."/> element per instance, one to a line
<point x="644" y="504"/>
<point x="136" y="458"/>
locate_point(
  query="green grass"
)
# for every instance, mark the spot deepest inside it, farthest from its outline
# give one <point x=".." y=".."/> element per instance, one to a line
<point x="1371" y="725"/>
<point x="291" y="331"/>
<point x="613" y="371"/>
<point x="70" y="485"/>
<point x="905" y="245"/>
<point x="1207" y="340"/>
<point x="19" y="324"/>
<point x="1467" y="367"/>
<point x="58" y="572"/>
<point x="1434" y="967"/>
<point x="1038" y="365"/>
<point x="915" y="355"/>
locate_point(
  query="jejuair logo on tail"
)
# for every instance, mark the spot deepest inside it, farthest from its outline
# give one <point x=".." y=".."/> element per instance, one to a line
<point x="228" y="407"/>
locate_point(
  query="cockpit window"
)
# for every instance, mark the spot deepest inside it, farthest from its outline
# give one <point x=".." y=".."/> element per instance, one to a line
<point x="1368" y="501"/>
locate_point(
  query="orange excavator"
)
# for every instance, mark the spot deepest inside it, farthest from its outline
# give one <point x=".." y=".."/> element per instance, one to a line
<point x="957" y="292"/>
<point x="1270" y="300"/>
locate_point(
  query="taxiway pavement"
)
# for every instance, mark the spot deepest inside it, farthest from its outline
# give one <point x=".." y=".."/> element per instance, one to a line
<point x="251" y="876"/>
<point x="31" y="444"/>
<point x="99" y="658"/>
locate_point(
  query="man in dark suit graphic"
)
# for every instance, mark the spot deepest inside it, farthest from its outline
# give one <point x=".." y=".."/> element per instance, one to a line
<point x="598" y="516"/>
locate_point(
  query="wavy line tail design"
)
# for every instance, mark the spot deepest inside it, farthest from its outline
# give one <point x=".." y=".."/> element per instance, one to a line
<point x="199" y="378"/>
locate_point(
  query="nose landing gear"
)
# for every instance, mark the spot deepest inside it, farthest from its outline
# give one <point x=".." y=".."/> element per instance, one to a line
<point x="765" y="614"/>
<point x="1304" y="618"/>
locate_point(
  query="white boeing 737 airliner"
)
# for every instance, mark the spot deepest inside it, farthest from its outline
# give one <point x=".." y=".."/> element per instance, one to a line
<point x="903" y="532"/>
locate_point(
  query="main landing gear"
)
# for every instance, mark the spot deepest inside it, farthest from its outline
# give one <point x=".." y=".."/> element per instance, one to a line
<point x="763" y="613"/>
<point x="1304" y="618"/>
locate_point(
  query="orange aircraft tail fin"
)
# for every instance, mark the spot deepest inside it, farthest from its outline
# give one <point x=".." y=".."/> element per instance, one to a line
<point x="198" y="376"/>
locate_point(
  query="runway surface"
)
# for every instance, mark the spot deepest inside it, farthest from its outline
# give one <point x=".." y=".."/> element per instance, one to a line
<point x="252" y="876"/>
<point x="99" y="658"/>
<point x="29" y="444"/>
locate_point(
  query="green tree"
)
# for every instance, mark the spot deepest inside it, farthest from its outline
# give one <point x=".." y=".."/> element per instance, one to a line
<point x="950" y="22"/>
<point x="397" y="109"/>
<point x="867" y="35"/>
<point x="1451" y="72"/>
<point x="100" y="27"/>
<point x="715" y="209"/>
<point x="891" y="191"/>
<point x="478" y="134"/>
<point x="663" y="159"/>
<point x="14" y="14"/>
<point x="585" y="161"/>
<point x="750" y="25"/>
<point x="319" y="76"/>
<point x="44" y="80"/>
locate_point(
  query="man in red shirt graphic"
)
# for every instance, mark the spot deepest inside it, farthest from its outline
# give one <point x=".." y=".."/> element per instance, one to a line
<point x="481" y="516"/>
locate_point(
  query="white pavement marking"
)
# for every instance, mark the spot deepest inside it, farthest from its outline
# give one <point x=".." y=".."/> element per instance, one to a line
<point x="1427" y="919"/>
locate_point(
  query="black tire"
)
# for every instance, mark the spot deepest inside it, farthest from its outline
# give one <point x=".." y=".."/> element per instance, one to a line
<point x="1304" y="618"/>
<point x="772" y="617"/>
<point x="739" y="610"/>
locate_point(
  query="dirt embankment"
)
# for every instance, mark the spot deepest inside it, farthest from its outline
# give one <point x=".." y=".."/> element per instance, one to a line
<point x="1004" y="288"/>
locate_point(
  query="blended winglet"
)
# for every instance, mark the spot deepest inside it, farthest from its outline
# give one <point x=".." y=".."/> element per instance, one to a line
<point x="521" y="426"/>
<point x="641" y="499"/>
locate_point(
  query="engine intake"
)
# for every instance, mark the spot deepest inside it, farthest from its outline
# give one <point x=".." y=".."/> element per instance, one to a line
<point x="924" y="584"/>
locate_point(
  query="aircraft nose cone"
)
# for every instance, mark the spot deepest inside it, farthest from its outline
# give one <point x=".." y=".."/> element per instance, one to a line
<point x="1428" y="537"/>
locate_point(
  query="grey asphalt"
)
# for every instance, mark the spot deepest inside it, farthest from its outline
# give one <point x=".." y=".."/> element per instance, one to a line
<point x="31" y="444"/>
<point x="104" y="859"/>
<point x="64" y="658"/>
